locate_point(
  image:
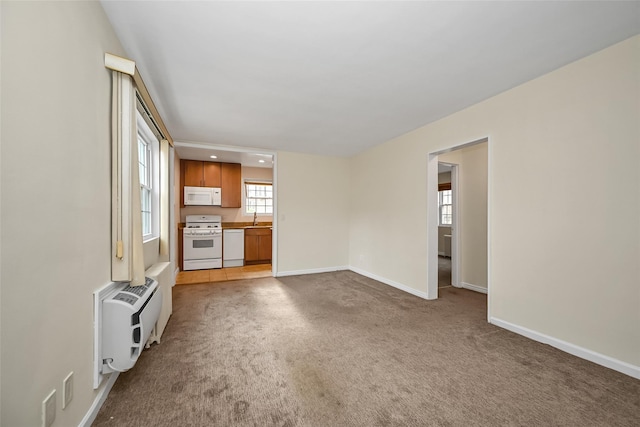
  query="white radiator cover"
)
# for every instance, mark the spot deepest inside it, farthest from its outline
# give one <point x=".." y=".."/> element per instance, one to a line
<point x="162" y="273"/>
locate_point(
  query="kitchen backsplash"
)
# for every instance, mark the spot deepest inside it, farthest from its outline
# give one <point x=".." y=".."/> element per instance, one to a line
<point x="227" y="214"/>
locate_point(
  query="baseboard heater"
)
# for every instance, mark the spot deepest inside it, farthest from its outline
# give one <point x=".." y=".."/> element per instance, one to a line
<point x="129" y="314"/>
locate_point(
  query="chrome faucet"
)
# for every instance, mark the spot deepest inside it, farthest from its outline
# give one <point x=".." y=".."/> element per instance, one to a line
<point x="255" y="218"/>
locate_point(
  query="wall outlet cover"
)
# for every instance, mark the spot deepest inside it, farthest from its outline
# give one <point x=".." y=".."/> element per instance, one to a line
<point x="67" y="390"/>
<point x="49" y="409"/>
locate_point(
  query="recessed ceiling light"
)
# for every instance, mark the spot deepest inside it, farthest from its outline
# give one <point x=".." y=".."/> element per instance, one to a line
<point x="213" y="156"/>
<point x="260" y="161"/>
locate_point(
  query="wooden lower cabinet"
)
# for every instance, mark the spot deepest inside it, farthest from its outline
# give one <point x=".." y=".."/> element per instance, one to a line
<point x="257" y="246"/>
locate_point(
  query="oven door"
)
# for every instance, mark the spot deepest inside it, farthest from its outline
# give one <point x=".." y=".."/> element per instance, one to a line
<point x="199" y="246"/>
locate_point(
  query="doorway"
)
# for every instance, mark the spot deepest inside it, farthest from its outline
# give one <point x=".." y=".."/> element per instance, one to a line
<point x="469" y="214"/>
<point x="447" y="216"/>
<point x="252" y="176"/>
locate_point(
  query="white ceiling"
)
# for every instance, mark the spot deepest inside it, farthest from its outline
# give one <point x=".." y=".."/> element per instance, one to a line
<point x="336" y="78"/>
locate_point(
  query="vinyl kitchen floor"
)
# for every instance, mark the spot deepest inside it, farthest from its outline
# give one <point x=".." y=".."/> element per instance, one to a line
<point x="223" y="274"/>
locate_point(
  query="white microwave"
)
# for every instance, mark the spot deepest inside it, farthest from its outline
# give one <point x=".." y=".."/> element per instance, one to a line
<point x="202" y="196"/>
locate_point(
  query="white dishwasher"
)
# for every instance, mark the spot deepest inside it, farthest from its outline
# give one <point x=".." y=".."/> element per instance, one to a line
<point x="233" y="247"/>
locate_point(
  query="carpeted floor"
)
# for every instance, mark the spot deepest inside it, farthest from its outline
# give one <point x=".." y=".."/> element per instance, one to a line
<point x="339" y="349"/>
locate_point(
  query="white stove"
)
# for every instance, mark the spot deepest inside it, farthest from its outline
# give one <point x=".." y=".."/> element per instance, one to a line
<point x="202" y="242"/>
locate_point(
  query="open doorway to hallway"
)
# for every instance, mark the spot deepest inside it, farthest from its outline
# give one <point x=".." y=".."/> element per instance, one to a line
<point x="446" y="210"/>
<point x="458" y="218"/>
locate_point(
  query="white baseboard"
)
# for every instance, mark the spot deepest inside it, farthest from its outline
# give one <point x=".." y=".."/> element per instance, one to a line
<point x="583" y="353"/>
<point x="310" y="271"/>
<point x="90" y="416"/>
<point x="390" y="282"/>
<point x="473" y="287"/>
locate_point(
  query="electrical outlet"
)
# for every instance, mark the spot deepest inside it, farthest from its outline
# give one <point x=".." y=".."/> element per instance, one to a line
<point x="49" y="409"/>
<point x="67" y="390"/>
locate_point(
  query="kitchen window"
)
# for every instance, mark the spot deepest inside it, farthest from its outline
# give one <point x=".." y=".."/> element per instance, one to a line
<point x="149" y="180"/>
<point x="259" y="198"/>
<point x="445" y="205"/>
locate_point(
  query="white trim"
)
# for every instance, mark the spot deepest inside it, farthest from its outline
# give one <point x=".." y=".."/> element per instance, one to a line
<point x="432" y="226"/>
<point x="581" y="352"/>
<point x="310" y="271"/>
<point x="232" y="148"/>
<point x="274" y="217"/>
<point x="389" y="282"/>
<point x="473" y="287"/>
<point x="91" y="415"/>
<point x="489" y="194"/>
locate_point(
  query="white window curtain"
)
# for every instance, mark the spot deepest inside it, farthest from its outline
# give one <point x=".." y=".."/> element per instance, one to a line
<point x="127" y="262"/>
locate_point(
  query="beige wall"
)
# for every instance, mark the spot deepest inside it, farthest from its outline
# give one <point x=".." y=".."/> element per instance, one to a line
<point x="580" y="123"/>
<point x="442" y="231"/>
<point x="387" y="230"/>
<point x="472" y="177"/>
<point x="313" y="212"/>
<point x="232" y="214"/>
<point x="444" y="177"/>
<point x="472" y="212"/>
<point x="55" y="177"/>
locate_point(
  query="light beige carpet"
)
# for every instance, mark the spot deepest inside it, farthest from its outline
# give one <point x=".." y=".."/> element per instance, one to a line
<point x="339" y="349"/>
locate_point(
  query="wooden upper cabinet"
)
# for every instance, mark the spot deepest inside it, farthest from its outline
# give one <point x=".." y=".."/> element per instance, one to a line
<point x="227" y="176"/>
<point x="201" y="174"/>
<point x="211" y="174"/>
<point x="231" y="185"/>
<point x="192" y="175"/>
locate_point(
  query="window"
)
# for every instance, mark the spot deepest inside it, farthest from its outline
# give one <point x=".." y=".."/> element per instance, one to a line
<point x="144" y="167"/>
<point x="446" y="207"/>
<point x="149" y="180"/>
<point x="259" y="198"/>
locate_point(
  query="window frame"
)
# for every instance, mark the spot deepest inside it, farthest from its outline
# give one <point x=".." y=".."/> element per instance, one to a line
<point x="442" y="189"/>
<point x="152" y="151"/>
<point x="246" y="197"/>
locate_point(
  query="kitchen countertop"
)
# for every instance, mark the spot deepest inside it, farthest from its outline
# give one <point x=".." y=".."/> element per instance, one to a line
<point x="236" y="225"/>
<point x="229" y="225"/>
